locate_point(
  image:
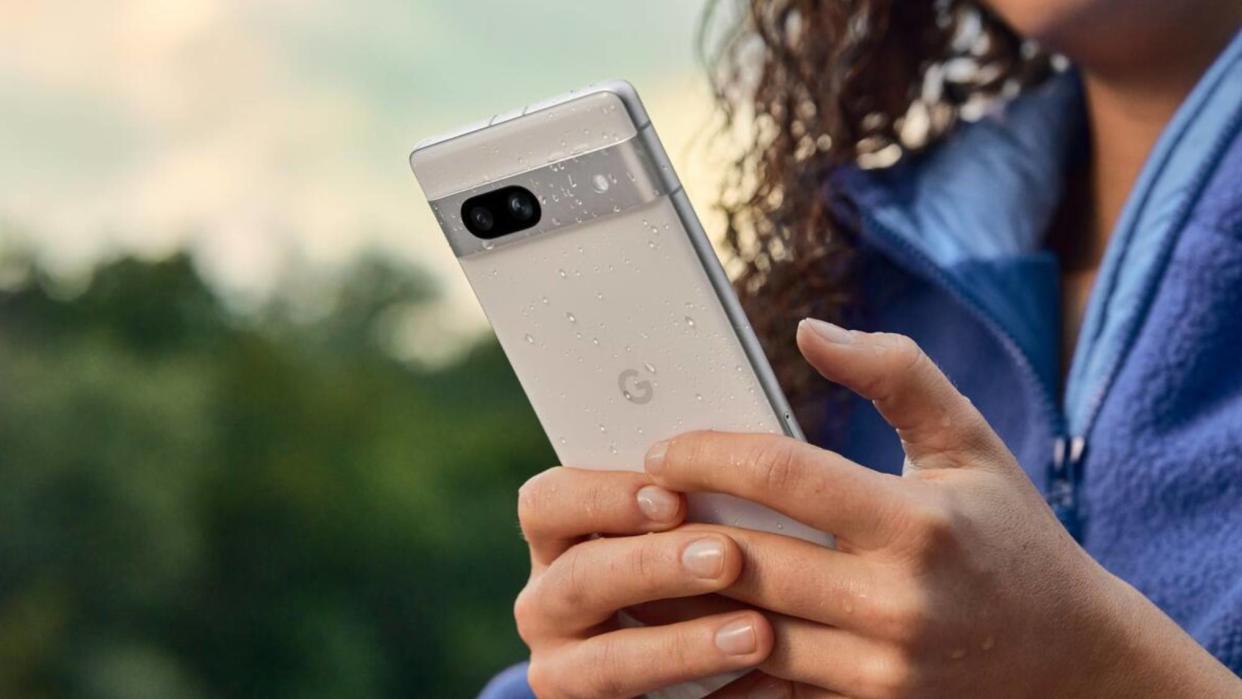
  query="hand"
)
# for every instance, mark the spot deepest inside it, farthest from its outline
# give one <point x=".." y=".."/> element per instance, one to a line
<point x="953" y="581"/>
<point x="566" y="613"/>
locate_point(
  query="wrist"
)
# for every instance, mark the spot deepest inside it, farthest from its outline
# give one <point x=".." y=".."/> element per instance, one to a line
<point x="1133" y="650"/>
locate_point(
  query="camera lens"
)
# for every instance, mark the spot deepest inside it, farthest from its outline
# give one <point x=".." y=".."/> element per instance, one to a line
<point x="481" y="219"/>
<point x="521" y="206"/>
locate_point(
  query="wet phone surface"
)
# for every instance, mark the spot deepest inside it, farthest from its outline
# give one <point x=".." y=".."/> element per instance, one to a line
<point x="609" y="303"/>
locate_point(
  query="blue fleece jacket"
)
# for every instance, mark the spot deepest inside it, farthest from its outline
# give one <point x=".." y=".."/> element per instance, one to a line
<point x="1140" y="454"/>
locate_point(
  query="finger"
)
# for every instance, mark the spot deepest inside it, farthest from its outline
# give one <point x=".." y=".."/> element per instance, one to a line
<point x="801" y="579"/>
<point x="836" y="660"/>
<point x="814" y="486"/>
<point x="594" y="579"/>
<point x="631" y="662"/>
<point x="561" y="506"/>
<point x="908" y="389"/>
<point x="757" y="685"/>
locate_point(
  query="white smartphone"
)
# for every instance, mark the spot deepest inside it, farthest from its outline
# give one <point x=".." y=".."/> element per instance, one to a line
<point x="603" y="289"/>
<point x="601" y="286"/>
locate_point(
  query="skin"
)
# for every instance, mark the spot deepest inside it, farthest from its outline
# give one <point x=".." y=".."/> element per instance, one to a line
<point x="951" y="580"/>
<point x="1138" y="60"/>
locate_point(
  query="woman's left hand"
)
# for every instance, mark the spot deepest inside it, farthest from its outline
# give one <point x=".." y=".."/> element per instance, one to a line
<point x="954" y="580"/>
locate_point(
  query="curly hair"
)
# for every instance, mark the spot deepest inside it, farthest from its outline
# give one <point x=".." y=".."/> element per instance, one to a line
<point x="814" y="85"/>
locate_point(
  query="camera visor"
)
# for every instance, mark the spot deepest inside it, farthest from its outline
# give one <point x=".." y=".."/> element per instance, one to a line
<point x="500" y="212"/>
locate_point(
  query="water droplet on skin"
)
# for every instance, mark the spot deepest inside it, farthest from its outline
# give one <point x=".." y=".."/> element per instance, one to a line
<point x="649" y="367"/>
<point x="529" y="339"/>
<point x="849" y="608"/>
<point x="562" y="274"/>
<point x="571" y="318"/>
<point x="600" y="183"/>
<point x="988" y="643"/>
<point x="957" y="654"/>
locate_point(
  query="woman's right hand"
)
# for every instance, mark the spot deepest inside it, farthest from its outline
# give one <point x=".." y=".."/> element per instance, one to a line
<point x="567" y="613"/>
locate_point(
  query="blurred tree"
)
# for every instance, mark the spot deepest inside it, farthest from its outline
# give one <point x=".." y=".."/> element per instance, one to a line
<point x="196" y="503"/>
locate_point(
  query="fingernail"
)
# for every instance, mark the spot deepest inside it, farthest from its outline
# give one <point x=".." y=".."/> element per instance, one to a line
<point x="771" y="688"/>
<point x="655" y="456"/>
<point x="832" y="333"/>
<point x="704" y="558"/>
<point x="658" y="504"/>
<point x="736" y="638"/>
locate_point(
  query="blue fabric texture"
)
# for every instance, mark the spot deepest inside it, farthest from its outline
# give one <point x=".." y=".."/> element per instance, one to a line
<point x="951" y="255"/>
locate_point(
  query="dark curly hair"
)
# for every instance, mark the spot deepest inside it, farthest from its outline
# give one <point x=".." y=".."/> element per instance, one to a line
<point x="814" y="85"/>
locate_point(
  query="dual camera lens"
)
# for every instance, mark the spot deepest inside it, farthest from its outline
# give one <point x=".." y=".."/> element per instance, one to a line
<point x="501" y="212"/>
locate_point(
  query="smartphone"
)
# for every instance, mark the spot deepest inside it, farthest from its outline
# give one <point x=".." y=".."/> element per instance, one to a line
<point x="601" y="286"/>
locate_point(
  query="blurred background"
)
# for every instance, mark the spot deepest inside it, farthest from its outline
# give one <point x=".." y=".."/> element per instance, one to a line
<point x="255" y="437"/>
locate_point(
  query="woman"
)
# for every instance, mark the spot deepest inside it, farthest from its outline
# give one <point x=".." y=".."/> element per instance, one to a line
<point x="1062" y="514"/>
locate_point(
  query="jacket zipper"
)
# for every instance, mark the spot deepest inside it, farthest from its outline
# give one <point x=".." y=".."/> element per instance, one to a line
<point x="1064" y="468"/>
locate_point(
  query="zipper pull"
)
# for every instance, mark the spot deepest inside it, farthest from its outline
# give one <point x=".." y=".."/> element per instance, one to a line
<point x="1063" y="478"/>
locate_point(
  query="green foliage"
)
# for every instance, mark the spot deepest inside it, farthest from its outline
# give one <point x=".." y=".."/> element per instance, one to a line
<point x="199" y="504"/>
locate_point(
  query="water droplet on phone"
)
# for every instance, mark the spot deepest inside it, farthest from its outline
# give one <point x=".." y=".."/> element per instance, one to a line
<point x="602" y="429"/>
<point x="689" y="322"/>
<point x="562" y="274"/>
<point x="612" y="447"/>
<point x="544" y="300"/>
<point x="651" y="244"/>
<point x="698" y="397"/>
<point x="561" y="440"/>
<point x="600" y="183"/>
<point x="599" y="295"/>
<point x="529" y="339"/>
<point x="649" y="367"/>
<point x="571" y="317"/>
<point x="488" y="244"/>
<point x="595" y="341"/>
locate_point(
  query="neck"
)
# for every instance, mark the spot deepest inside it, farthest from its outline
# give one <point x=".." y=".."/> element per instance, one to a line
<point x="1129" y="104"/>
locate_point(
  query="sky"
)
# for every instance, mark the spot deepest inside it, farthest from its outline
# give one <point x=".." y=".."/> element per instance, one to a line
<point x="266" y="135"/>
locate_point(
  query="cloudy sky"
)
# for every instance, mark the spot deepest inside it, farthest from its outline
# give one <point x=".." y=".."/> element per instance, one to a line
<point x="260" y="132"/>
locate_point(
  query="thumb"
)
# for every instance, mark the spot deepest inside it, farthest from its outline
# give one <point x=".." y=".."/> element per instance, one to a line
<point x="932" y="418"/>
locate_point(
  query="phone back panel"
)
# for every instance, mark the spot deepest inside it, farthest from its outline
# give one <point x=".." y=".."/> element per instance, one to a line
<point x="614" y="312"/>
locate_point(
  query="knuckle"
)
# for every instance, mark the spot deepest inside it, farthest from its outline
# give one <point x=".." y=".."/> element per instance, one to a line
<point x="642" y="562"/>
<point x="544" y="681"/>
<point x="891" y="675"/>
<point x="902" y="619"/>
<point x="903" y="354"/>
<point x="603" y="682"/>
<point x="532" y="501"/>
<point x="935" y="527"/>
<point x="776" y="465"/>
<point x="525" y="614"/>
